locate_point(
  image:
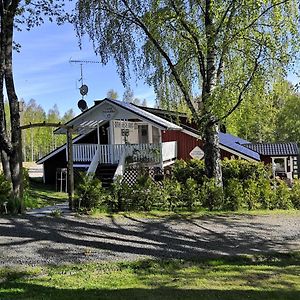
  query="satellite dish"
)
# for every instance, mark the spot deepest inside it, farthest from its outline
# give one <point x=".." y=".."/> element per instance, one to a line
<point x="84" y="89"/>
<point x="82" y="105"/>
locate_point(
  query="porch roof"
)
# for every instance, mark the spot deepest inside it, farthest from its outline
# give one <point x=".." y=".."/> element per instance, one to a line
<point x="108" y="109"/>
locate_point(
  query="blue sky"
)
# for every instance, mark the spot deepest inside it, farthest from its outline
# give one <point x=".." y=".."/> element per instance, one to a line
<point x="43" y="72"/>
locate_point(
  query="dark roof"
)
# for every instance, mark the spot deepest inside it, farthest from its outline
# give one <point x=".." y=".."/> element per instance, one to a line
<point x="275" y="149"/>
<point x="237" y="144"/>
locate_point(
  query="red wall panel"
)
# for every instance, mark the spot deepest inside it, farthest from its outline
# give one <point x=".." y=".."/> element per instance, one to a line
<point x="185" y="142"/>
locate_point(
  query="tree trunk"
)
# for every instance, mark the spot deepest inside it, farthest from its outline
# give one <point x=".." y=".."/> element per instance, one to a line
<point x="212" y="157"/>
<point x="5" y="165"/>
<point x="16" y="153"/>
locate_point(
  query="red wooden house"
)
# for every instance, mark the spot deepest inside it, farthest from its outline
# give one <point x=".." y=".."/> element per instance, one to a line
<point x="111" y="132"/>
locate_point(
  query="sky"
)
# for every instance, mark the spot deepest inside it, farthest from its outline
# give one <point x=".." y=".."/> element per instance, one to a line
<point x="43" y="70"/>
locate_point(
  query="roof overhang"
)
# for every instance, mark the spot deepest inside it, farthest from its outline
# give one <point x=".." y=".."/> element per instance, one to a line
<point x="108" y="109"/>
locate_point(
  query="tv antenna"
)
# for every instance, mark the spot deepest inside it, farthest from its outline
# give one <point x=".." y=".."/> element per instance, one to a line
<point x="82" y="105"/>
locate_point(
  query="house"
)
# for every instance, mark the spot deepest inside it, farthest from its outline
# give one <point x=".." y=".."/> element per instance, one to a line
<point x="112" y="132"/>
<point x="282" y="156"/>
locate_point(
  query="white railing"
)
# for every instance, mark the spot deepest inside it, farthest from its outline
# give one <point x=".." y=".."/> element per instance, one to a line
<point x="143" y="153"/>
<point x="84" y="152"/>
<point x="93" y="165"/>
<point x="169" y="151"/>
<point x="111" y="154"/>
<point x="121" y="166"/>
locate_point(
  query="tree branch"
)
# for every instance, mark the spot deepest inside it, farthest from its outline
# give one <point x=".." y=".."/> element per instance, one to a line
<point x="243" y="90"/>
<point x="167" y="59"/>
<point x="200" y="55"/>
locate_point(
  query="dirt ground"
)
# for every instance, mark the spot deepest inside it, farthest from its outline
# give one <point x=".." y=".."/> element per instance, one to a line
<point x="35" y="239"/>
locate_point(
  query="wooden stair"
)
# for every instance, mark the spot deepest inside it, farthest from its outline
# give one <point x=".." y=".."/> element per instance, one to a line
<point x="105" y="172"/>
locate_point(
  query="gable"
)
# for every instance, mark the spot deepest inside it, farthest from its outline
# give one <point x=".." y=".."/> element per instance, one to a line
<point x="108" y="109"/>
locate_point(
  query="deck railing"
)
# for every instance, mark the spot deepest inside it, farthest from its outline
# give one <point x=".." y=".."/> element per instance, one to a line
<point x="84" y="152"/>
<point x="111" y="154"/>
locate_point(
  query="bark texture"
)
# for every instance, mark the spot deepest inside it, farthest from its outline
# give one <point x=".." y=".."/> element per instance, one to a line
<point x="11" y="146"/>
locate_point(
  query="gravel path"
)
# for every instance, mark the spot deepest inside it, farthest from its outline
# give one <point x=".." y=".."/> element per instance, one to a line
<point x="36" y="239"/>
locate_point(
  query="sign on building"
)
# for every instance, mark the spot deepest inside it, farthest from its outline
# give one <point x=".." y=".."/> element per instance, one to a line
<point x="197" y="152"/>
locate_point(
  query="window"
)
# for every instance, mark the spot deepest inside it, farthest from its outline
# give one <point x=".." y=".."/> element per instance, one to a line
<point x="155" y="135"/>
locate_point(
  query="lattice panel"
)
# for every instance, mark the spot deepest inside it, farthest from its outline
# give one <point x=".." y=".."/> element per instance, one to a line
<point x="132" y="173"/>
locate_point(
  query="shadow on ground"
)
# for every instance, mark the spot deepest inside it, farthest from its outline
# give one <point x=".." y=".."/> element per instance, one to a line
<point x="53" y="240"/>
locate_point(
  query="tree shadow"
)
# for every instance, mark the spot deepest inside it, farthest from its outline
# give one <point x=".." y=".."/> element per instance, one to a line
<point x="31" y="291"/>
<point x="69" y="239"/>
<point x="166" y="279"/>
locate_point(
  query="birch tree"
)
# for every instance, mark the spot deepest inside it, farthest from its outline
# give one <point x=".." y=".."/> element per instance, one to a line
<point x="13" y="14"/>
<point x="213" y="48"/>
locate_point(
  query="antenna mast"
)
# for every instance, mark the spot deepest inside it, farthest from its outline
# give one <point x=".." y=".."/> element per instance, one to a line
<point x="84" y="88"/>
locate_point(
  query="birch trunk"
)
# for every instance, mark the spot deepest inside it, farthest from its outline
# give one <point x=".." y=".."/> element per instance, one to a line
<point x="16" y="137"/>
<point x="211" y="138"/>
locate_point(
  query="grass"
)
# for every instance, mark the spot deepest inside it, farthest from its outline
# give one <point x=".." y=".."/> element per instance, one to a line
<point x="273" y="277"/>
<point x="204" y="213"/>
<point x="41" y="195"/>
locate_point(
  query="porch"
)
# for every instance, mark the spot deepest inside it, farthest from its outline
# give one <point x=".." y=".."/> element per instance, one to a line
<point x="161" y="154"/>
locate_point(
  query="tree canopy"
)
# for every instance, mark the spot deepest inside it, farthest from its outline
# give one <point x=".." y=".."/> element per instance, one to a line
<point x="211" y="48"/>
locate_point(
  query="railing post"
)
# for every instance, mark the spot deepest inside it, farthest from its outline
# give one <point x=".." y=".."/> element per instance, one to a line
<point x="161" y="156"/>
<point x="70" y="171"/>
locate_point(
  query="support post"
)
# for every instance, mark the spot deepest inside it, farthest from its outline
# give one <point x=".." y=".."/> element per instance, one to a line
<point x="70" y="171"/>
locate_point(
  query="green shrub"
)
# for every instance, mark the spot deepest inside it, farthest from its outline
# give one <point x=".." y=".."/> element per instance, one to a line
<point x="190" y="195"/>
<point x="26" y="184"/>
<point x="193" y="168"/>
<point x="243" y="170"/>
<point x="170" y="195"/>
<point x="212" y="195"/>
<point x="234" y="195"/>
<point x="267" y="193"/>
<point x="283" y="198"/>
<point x="90" y="194"/>
<point x="144" y="195"/>
<point x="251" y="193"/>
<point x="5" y="192"/>
<point x="295" y="194"/>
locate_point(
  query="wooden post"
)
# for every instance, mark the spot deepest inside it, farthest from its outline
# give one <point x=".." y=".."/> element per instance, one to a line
<point x="70" y="171"/>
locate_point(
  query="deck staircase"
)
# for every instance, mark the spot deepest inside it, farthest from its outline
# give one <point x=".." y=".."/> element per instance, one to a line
<point x="105" y="172"/>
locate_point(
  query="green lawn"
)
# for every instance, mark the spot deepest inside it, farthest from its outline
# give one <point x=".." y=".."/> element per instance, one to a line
<point x="40" y="195"/>
<point x="264" y="277"/>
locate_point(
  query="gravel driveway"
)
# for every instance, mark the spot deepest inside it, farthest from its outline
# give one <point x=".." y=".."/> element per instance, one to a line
<point x="33" y="240"/>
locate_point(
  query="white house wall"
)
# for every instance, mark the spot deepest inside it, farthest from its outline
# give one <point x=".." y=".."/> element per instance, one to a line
<point x="133" y="137"/>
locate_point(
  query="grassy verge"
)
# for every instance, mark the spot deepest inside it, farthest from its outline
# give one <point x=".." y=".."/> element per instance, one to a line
<point x="41" y="195"/>
<point x="205" y="213"/>
<point x="263" y="277"/>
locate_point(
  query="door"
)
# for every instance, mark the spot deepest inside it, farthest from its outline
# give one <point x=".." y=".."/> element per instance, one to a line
<point x="143" y="134"/>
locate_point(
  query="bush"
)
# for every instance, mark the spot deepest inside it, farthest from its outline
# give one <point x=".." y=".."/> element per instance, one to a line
<point x="190" y="195"/>
<point x="144" y="195"/>
<point x="267" y="194"/>
<point x="170" y="195"/>
<point x="243" y="170"/>
<point x="193" y="168"/>
<point x="90" y="194"/>
<point x="295" y="194"/>
<point x="5" y="192"/>
<point x="251" y="193"/>
<point x="283" y="198"/>
<point x="212" y="196"/>
<point x="234" y="195"/>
